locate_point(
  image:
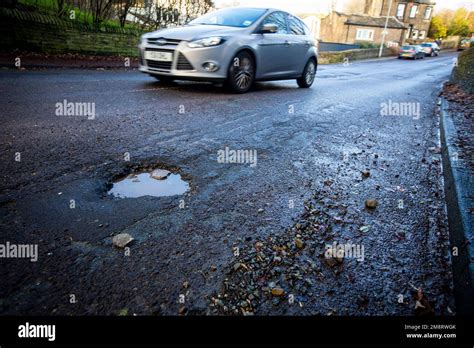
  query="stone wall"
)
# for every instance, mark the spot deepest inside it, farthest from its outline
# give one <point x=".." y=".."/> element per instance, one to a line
<point x="338" y="57"/>
<point x="36" y="32"/>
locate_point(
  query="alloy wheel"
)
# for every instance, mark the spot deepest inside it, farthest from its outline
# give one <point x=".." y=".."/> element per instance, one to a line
<point x="241" y="73"/>
<point x="244" y="74"/>
<point x="310" y="73"/>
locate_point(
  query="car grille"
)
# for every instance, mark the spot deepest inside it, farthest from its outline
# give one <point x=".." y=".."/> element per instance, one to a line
<point x="183" y="63"/>
<point x="169" y="42"/>
<point x="159" y="65"/>
<point x="153" y="64"/>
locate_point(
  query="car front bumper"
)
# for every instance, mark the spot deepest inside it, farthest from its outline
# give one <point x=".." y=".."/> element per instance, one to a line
<point x="187" y="63"/>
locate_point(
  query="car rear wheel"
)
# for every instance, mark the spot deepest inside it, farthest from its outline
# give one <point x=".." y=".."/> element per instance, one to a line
<point x="309" y="72"/>
<point x="241" y="73"/>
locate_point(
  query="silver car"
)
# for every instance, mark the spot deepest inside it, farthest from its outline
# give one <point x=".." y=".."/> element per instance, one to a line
<point x="237" y="46"/>
<point x="431" y="49"/>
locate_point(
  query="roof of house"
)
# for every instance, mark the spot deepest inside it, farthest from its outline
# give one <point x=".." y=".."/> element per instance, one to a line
<point x="370" y="21"/>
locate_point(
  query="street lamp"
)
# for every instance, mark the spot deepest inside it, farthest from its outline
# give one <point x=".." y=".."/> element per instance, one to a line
<point x="385" y="32"/>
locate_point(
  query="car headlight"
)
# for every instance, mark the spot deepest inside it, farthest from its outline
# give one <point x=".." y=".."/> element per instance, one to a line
<point x="206" y="42"/>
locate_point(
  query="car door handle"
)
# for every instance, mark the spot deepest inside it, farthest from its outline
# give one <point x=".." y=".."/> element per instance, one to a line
<point x="287" y="43"/>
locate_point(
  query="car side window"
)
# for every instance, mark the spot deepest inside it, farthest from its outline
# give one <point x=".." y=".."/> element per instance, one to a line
<point x="296" y="27"/>
<point x="279" y="19"/>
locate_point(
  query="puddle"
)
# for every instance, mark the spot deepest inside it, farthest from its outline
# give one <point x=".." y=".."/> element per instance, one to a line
<point x="142" y="184"/>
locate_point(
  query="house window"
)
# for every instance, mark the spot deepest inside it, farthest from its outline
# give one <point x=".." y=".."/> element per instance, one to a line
<point x="365" y="35"/>
<point x="401" y="10"/>
<point x="428" y="12"/>
<point x="414" y="34"/>
<point x="422" y="34"/>
<point x="408" y="31"/>
<point x="413" y="11"/>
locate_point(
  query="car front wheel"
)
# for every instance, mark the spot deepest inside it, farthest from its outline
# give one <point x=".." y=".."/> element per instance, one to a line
<point x="241" y="73"/>
<point x="309" y="72"/>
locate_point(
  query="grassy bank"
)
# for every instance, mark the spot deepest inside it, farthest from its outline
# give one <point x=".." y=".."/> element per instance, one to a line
<point x="463" y="72"/>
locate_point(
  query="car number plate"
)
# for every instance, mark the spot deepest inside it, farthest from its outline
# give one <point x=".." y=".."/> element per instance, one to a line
<point x="159" y="56"/>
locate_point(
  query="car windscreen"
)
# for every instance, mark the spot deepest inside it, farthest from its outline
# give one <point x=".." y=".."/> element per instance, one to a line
<point x="406" y="48"/>
<point x="426" y="45"/>
<point x="234" y="17"/>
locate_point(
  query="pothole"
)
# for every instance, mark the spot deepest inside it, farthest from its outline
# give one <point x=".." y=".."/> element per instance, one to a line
<point x="156" y="183"/>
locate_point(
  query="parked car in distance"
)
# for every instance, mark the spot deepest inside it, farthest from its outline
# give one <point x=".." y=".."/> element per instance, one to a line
<point x="465" y="44"/>
<point x="431" y="49"/>
<point x="236" y="46"/>
<point x="411" y="51"/>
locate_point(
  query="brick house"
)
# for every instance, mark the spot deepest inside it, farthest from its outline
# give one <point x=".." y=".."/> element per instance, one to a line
<point x="355" y="29"/>
<point x="364" y="21"/>
<point x="415" y="14"/>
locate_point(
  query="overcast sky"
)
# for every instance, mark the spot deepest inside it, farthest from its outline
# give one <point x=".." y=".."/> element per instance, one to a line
<point x="321" y="5"/>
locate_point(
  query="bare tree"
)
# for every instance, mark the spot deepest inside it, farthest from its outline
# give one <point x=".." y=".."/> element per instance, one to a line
<point x="122" y="8"/>
<point x="101" y="9"/>
<point x="154" y="14"/>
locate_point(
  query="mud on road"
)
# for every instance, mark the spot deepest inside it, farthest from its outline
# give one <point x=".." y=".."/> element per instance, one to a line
<point x="244" y="239"/>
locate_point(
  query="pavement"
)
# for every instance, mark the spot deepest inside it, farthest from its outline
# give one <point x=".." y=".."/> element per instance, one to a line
<point x="322" y="152"/>
<point x="457" y="144"/>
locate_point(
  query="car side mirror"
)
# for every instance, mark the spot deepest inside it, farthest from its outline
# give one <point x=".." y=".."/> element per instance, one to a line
<point x="269" y="28"/>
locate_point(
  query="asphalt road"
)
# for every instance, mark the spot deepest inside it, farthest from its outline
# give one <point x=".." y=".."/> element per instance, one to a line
<point x="312" y="146"/>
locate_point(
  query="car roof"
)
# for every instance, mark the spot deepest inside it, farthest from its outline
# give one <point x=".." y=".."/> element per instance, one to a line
<point x="251" y="8"/>
<point x="268" y="9"/>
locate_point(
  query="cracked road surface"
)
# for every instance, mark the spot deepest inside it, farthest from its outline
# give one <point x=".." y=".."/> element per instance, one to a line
<point x="312" y="146"/>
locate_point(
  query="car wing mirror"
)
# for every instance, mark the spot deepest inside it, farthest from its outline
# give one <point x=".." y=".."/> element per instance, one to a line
<point x="269" y="28"/>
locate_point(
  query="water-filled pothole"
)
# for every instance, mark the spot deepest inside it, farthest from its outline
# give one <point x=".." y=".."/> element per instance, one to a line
<point x="157" y="183"/>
